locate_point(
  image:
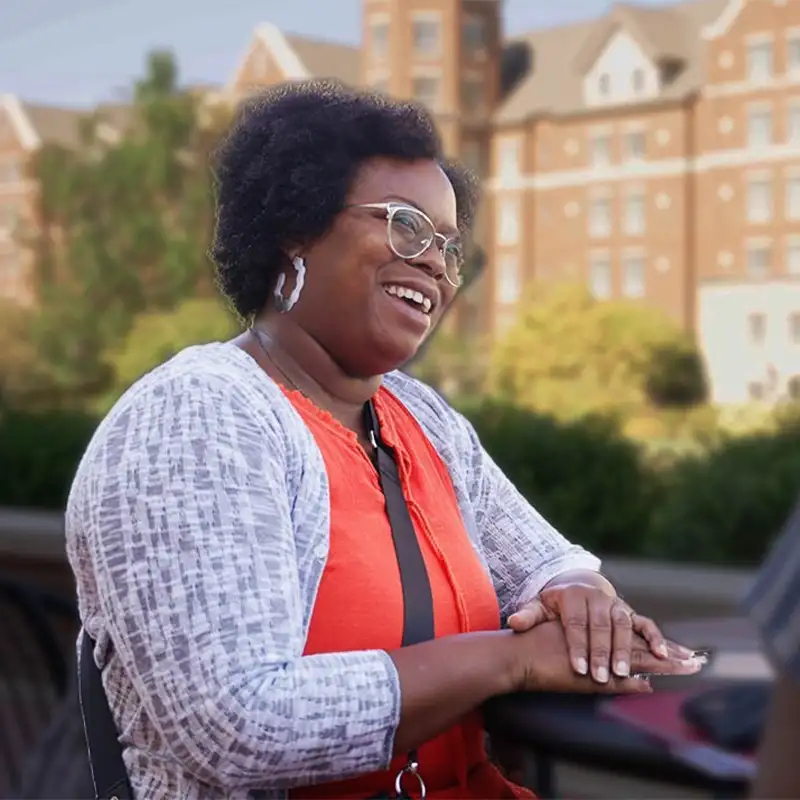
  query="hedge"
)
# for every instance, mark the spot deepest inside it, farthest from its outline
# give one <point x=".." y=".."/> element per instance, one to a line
<point x="723" y="505"/>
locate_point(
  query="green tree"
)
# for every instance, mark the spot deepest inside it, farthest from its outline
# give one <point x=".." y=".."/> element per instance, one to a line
<point x="124" y="223"/>
<point x="571" y="356"/>
<point x="158" y="335"/>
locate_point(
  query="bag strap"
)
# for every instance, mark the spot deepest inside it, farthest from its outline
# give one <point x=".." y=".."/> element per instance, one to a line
<point x="418" y="622"/>
<point x="418" y="616"/>
<point x="109" y="776"/>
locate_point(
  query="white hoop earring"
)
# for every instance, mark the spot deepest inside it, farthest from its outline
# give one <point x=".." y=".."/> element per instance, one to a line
<point x="281" y="303"/>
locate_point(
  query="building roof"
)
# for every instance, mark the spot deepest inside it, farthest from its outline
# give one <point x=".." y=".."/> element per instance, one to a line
<point x="669" y="34"/>
<point x="325" y="59"/>
<point x="545" y="67"/>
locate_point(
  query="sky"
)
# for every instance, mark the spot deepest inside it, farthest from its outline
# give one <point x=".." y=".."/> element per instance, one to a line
<point x="81" y="52"/>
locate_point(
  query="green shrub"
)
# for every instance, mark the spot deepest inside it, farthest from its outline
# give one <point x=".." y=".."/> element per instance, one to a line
<point x="583" y="476"/>
<point x="39" y="453"/>
<point x="726" y="506"/>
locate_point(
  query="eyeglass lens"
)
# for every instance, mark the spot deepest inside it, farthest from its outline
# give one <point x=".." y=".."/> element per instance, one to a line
<point x="411" y="235"/>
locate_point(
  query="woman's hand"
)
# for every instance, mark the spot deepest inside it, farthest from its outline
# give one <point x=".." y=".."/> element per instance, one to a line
<point x="599" y="626"/>
<point x="541" y="663"/>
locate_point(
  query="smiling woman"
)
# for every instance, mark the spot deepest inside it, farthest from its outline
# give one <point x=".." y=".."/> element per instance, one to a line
<point x="294" y="561"/>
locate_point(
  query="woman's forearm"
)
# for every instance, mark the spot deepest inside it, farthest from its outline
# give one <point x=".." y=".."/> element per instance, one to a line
<point x="445" y="679"/>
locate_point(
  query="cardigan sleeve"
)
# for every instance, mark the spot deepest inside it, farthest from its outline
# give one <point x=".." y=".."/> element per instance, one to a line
<point x="186" y="510"/>
<point x="523" y="550"/>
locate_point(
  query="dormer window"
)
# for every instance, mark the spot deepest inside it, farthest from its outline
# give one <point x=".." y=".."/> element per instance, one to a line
<point x="637" y="81"/>
<point x="759" y="61"/>
<point x="604" y="84"/>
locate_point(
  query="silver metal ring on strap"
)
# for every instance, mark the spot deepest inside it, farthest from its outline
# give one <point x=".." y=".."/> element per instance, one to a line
<point x="412" y="768"/>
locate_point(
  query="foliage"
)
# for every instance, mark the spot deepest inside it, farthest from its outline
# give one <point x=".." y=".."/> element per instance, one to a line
<point x="124" y="227"/>
<point x="158" y="335"/>
<point x="726" y="505"/>
<point x="573" y="356"/>
<point x="39" y="452"/>
<point x="720" y="506"/>
<point x="583" y="476"/>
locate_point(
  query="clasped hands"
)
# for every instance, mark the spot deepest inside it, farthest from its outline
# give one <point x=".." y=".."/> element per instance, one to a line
<point x="606" y="643"/>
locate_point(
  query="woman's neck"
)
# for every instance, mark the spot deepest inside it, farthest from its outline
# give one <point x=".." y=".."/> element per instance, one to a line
<point x="304" y="364"/>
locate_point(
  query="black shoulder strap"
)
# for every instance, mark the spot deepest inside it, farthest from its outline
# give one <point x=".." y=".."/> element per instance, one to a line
<point x="109" y="776"/>
<point x="105" y="754"/>
<point x="418" y="622"/>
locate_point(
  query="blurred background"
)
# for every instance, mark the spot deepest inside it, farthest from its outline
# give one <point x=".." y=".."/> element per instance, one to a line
<point x="627" y="343"/>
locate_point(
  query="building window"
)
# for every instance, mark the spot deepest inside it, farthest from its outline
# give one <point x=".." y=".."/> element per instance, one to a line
<point x="508" y="220"/>
<point x="637" y="81"/>
<point x="509" y="283"/>
<point x="9" y="218"/>
<point x="759" y="259"/>
<point x="426" y="90"/>
<point x="635" y="144"/>
<point x="757" y="327"/>
<point x="474" y="34"/>
<point x="633" y="276"/>
<point x="794" y="327"/>
<point x="793" y="197"/>
<point x="426" y="37"/>
<point x="509" y="157"/>
<point x="10" y="171"/>
<point x="759" y="61"/>
<point x="635" y="214"/>
<point x="473" y="95"/>
<point x="600" y="149"/>
<point x="793" y="53"/>
<point x="759" y="199"/>
<point x="759" y="127"/>
<point x="379" y="40"/>
<point x="604" y="84"/>
<point x="472" y="156"/>
<point x="793" y="123"/>
<point x="600" y="217"/>
<point x="600" y="276"/>
<point x="793" y="257"/>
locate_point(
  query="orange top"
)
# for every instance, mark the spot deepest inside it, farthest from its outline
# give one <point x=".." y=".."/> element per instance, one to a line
<point x="359" y="605"/>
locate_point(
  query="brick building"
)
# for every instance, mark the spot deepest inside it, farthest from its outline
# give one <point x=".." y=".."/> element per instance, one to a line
<point x="653" y="153"/>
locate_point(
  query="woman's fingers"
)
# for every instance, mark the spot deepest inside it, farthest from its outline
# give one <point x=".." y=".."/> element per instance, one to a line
<point x="530" y="615"/>
<point x="600" y="635"/>
<point x="651" y="633"/>
<point x="643" y="661"/>
<point x="621" y="619"/>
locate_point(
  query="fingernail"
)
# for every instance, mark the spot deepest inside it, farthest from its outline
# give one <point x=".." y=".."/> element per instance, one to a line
<point x="601" y="675"/>
<point x="622" y="669"/>
<point x="695" y="664"/>
<point x="581" y="667"/>
<point x="662" y="650"/>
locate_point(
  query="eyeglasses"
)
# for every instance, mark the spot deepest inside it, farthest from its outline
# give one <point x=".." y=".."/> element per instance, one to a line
<point x="410" y="233"/>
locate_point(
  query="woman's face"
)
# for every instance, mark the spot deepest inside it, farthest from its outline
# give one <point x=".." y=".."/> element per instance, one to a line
<point x="350" y="303"/>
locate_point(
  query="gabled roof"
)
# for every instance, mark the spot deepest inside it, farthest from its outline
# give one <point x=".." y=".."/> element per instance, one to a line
<point x="561" y="56"/>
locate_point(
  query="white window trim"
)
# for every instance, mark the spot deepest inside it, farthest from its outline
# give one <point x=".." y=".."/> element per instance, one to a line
<point x="763" y="177"/>
<point x="631" y="254"/>
<point x="513" y="204"/>
<point x="515" y="142"/>
<point x="595" y="257"/>
<point x="641" y="195"/>
<point x="428" y="16"/>
<point x="596" y="233"/>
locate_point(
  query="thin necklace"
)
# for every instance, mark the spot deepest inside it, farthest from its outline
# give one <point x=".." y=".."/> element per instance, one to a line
<point x="259" y="336"/>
